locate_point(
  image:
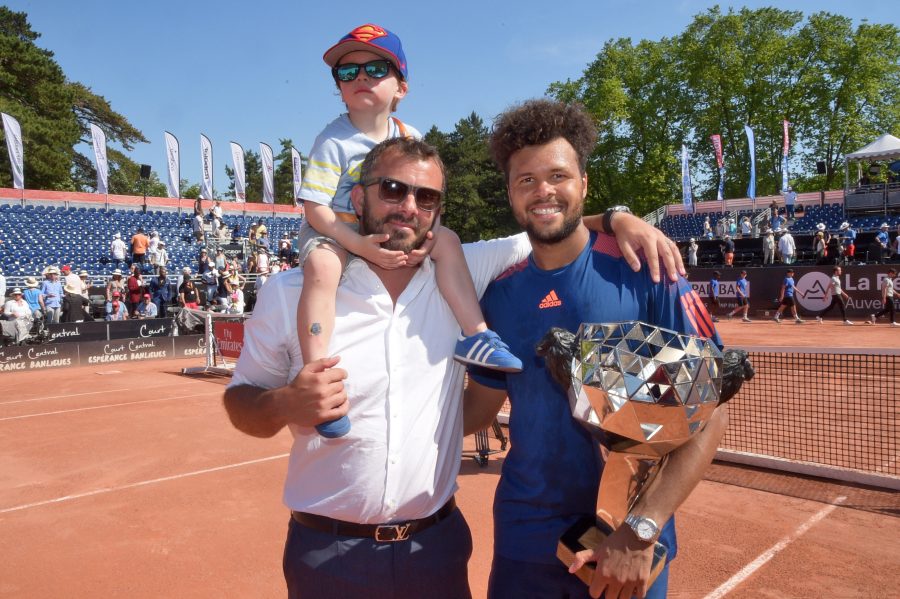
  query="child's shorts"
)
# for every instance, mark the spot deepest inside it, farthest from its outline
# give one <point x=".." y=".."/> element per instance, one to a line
<point x="309" y="239"/>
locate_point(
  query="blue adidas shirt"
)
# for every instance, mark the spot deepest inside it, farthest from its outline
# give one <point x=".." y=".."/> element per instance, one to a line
<point x="788" y="287"/>
<point x="552" y="472"/>
<point x="742" y="287"/>
<point x="714" y="287"/>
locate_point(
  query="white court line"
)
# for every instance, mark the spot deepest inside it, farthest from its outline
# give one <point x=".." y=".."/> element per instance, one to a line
<point x="745" y="572"/>
<point x="139" y="484"/>
<point x="111" y="405"/>
<point x="3" y="403"/>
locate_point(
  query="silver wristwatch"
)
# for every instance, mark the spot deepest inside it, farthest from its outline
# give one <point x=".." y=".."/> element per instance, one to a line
<point x="645" y="528"/>
<point x="606" y="220"/>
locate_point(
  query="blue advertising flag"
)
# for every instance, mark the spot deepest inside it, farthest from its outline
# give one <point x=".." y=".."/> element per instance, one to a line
<point x="751" y="189"/>
<point x="686" y="195"/>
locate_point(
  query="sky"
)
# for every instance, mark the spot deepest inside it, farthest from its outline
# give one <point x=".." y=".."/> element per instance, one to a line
<point x="252" y="72"/>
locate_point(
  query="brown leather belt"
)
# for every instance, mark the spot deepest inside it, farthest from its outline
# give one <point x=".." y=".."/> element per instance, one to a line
<point x="384" y="533"/>
<point x="346" y="217"/>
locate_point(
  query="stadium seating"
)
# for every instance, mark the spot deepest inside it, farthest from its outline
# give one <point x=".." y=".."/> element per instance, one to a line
<point x="38" y="235"/>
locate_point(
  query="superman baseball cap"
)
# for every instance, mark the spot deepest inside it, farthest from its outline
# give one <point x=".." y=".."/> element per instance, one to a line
<point x="370" y="38"/>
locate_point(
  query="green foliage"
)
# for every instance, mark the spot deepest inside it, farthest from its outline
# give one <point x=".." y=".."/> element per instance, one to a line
<point x="253" y="177"/>
<point x="837" y="85"/>
<point x="476" y="204"/>
<point x="55" y="115"/>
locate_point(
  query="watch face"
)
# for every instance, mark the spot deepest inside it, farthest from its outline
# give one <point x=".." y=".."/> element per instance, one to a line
<point x="645" y="530"/>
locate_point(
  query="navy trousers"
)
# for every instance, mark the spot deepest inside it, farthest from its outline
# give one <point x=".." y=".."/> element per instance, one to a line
<point x="432" y="564"/>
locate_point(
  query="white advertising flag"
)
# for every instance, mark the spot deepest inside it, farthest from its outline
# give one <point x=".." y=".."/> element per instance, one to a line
<point x="298" y="175"/>
<point x="206" y="172"/>
<point x="13" y="133"/>
<point x="268" y="173"/>
<point x="173" y="161"/>
<point x="99" y="139"/>
<point x="240" y="174"/>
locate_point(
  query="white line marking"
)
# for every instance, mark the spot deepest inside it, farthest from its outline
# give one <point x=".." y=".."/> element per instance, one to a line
<point x="745" y="572"/>
<point x="111" y="405"/>
<point x="3" y="403"/>
<point x="139" y="484"/>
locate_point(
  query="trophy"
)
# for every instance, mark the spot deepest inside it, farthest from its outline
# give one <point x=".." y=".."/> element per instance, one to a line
<point x="641" y="391"/>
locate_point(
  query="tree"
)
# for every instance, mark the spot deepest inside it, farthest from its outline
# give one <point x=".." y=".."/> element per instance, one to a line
<point x="55" y="115"/>
<point x="253" y="177"/>
<point x="475" y="206"/>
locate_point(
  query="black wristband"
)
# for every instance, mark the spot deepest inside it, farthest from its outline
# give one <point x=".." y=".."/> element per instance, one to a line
<point x="606" y="221"/>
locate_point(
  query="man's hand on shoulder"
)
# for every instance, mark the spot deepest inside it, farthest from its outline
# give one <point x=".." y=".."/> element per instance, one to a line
<point x="316" y="394"/>
<point x="623" y="565"/>
<point x="633" y="234"/>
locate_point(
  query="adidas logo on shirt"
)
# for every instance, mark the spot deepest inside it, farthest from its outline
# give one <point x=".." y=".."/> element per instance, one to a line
<point x="551" y="301"/>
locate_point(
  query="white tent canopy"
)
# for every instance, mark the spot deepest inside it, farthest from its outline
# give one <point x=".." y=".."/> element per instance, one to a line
<point x="885" y="147"/>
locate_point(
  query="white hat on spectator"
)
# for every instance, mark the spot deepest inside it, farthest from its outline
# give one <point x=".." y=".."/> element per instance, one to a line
<point x="31" y="283"/>
<point x="845" y="225"/>
<point x="17" y="291"/>
<point x="117" y="273"/>
<point x="692" y="240"/>
<point x="70" y="288"/>
<point x="883" y="226"/>
<point x="820" y="227"/>
<point x="51" y="270"/>
<point x="117" y="235"/>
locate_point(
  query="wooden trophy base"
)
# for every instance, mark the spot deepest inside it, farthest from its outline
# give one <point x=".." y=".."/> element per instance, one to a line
<point x="589" y="533"/>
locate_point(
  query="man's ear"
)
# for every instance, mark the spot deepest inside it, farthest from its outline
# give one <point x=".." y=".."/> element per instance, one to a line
<point x="357" y="194"/>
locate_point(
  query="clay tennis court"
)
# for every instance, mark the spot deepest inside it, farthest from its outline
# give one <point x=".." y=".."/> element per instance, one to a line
<point x="129" y="481"/>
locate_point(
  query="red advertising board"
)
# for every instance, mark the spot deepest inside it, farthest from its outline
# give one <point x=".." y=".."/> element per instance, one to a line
<point x="229" y="338"/>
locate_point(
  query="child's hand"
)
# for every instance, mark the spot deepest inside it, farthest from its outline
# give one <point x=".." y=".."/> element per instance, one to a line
<point x="372" y="251"/>
<point x="415" y="257"/>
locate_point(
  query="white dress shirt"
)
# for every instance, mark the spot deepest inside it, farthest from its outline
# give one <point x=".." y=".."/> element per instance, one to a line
<point x="401" y="457"/>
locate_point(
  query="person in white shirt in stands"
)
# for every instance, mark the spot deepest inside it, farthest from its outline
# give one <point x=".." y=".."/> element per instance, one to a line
<point x="117" y="250"/>
<point x="375" y="505"/>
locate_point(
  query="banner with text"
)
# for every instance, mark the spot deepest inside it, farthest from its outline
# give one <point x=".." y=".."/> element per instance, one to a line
<point x="173" y="162"/>
<point x="13" y="133"/>
<point x="686" y="195"/>
<point x="240" y="174"/>
<point x="98" y="137"/>
<point x="720" y="161"/>
<point x="206" y="171"/>
<point x="751" y="144"/>
<point x="298" y="175"/>
<point x="268" y="173"/>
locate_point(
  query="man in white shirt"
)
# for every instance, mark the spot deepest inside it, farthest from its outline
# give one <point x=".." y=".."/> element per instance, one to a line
<point x="380" y="497"/>
<point x="117" y="250"/>
<point x="787" y="247"/>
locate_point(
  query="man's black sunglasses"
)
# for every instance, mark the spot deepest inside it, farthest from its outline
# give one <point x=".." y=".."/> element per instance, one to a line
<point x="394" y="192"/>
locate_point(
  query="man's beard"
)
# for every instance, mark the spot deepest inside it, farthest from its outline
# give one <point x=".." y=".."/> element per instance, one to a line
<point x="398" y="241"/>
<point x="569" y="225"/>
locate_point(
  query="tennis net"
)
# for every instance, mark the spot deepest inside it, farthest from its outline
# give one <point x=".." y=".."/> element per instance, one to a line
<point x="832" y="413"/>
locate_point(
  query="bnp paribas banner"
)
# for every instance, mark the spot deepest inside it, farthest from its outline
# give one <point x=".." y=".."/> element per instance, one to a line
<point x="861" y="283"/>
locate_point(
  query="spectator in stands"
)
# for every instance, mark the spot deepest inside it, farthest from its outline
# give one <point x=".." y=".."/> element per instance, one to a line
<point x="261" y="279"/>
<point x="116" y="283"/>
<point x="888" y="293"/>
<point x="216" y="213"/>
<point x="839" y="297"/>
<point x="236" y="301"/>
<point x="2" y="287"/>
<point x="848" y="236"/>
<point x="727" y="247"/>
<point x="773" y="211"/>
<point x="146" y="308"/>
<point x="75" y="307"/>
<point x="139" y="245"/>
<point x="115" y="308"/>
<point x="52" y="290"/>
<point x="188" y="296"/>
<point x="251" y="263"/>
<point x="222" y="292"/>
<point x="210" y="280"/>
<point x="284" y="248"/>
<point x="85" y="284"/>
<point x="162" y="292"/>
<point x="69" y="277"/>
<point x="117" y="251"/>
<point x="33" y="298"/>
<point x="236" y="231"/>
<point x="833" y="250"/>
<point x="884" y="242"/>
<point x="778" y="222"/>
<point x="262" y="239"/>
<point x="204" y="264"/>
<point x="153" y="247"/>
<point x="221" y="261"/>
<point x="742" y="290"/>
<point x="198" y="208"/>
<point x="262" y="260"/>
<point x="769" y="247"/>
<point x="692" y="252"/>
<point x="790" y="198"/>
<point x="251" y="235"/>
<point x="721" y="227"/>
<point x="746" y="227"/>
<point x="732" y="228"/>
<point x="161" y="259"/>
<point x="786" y="298"/>
<point x="197" y="227"/>
<point x="713" y="303"/>
<point x="234" y="280"/>
<point x="787" y="247"/>
<point x="707" y="228"/>
<point x="261" y="229"/>
<point x="135" y="286"/>
<point x="819" y="244"/>
<point x="17" y="310"/>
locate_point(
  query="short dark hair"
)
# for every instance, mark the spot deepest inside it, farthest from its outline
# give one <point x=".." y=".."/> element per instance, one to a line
<point x="406" y="147"/>
<point x="717" y="274"/>
<point x="537" y="122"/>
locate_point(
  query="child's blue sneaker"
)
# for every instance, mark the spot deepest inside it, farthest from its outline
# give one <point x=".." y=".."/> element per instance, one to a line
<point x="487" y="350"/>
